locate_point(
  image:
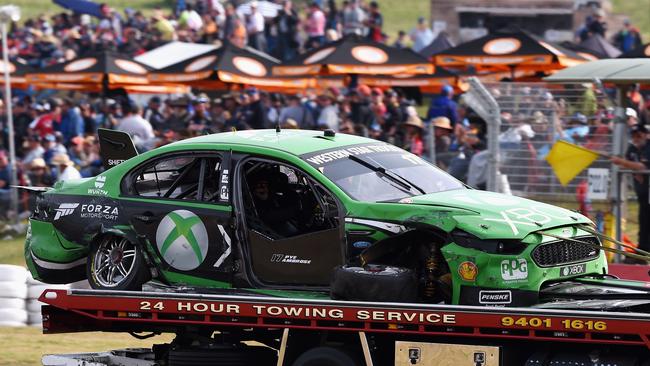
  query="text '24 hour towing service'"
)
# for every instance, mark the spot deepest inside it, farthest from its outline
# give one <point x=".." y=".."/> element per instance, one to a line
<point x="274" y="247"/>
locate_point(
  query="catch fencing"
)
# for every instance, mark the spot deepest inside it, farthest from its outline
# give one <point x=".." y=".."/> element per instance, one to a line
<point x="524" y="120"/>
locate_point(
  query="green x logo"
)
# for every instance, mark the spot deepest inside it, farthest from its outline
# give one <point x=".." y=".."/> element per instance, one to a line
<point x="183" y="227"/>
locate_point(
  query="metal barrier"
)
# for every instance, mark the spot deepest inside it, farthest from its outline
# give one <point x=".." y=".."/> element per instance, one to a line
<point x="525" y="119"/>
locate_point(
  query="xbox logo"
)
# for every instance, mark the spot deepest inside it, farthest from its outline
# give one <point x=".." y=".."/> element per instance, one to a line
<point x="182" y="240"/>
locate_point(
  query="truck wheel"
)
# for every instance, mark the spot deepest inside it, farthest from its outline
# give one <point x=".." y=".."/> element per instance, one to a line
<point x="116" y="264"/>
<point x="374" y="283"/>
<point x="325" y="356"/>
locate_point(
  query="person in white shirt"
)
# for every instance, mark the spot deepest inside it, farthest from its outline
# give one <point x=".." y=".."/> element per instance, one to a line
<point x="255" y="28"/>
<point x="329" y="114"/>
<point x="137" y="127"/>
<point x="421" y="35"/>
<point x="65" y="167"/>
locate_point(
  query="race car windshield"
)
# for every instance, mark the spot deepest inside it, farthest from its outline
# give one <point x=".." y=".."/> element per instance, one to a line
<point x="378" y="173"/>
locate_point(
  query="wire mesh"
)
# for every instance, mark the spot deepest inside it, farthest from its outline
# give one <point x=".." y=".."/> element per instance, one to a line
<point x="533" y="117"/>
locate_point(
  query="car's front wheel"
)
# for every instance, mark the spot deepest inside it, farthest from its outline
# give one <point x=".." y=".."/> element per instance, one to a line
<point x="115" y="263"/>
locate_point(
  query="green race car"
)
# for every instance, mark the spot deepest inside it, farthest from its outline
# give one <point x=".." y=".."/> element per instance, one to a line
<point x="310" y="213"/>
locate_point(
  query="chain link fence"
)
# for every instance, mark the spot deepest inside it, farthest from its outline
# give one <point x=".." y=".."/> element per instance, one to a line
<point x="531" y="117"/>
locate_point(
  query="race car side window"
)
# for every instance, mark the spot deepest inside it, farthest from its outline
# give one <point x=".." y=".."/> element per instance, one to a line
<point x="181" y="177"/>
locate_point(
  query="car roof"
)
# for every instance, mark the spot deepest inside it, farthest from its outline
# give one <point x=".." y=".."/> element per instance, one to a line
<point x="297" y="142"/>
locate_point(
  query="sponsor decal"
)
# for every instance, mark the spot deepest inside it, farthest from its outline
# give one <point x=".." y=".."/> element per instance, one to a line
<point x="369" y="54"/>
<point x="114" y="162"/>
<point x="501" y="46"/>
<point x="182" y="240"/>
<point x="468" y="271"/>
<point x="79" y="65"/>
<point x="228" y="242"/>
<point x="495" y="297"/>
<point x="330" y="156"/>
<point x="573" y="270"/>
<point x="106" y="212"/>
<point x="361" y="244"/>
<point x="249" y="66"/>
<point x="200" y="63"/>
<point x="286" y="258"/>
<point x="514" y="269"/>
<point x="224" y="193"/>
<point x="130" y="66"/>
<point x="100" y="181"/>
<point x="65" y="209"/>
<point x="319" y="55"/>
<point x="479" y="358"/>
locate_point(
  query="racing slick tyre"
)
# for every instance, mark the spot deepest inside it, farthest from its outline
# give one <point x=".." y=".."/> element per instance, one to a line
<point x="10" y="289"/>
<point x="115" y="263"/>
<point x="325" y="356"/>
<point x="374" y="283"/>
<point x="13" y="273"/>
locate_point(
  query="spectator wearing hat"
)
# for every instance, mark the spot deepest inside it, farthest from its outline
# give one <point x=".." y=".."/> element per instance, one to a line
<point x="201" y="119"/>
<point x="598" y="25"/>
<point x="45" y="123"/>
<point x="287" y="25"/>
<point x="65" y="168"/>
<point x="421" y="35"/>
<point x="137" y="127"/>
<point x="39" y="174"/>
<point x="72" y="124"/>
<point x="414" y="141"/>
<point x="444" y="106"/>
<point x="315" y="26"/>
<point x="153" y="114"/>
<point x="632" y="117"/>
<point x="328" y="117"/>
<point x="442" y="131"/>
<point x="637" y="157"/>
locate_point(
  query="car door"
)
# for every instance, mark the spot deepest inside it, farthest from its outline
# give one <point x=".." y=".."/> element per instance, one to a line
<point x="179" y="205"/>
<point x="305" y="256"/>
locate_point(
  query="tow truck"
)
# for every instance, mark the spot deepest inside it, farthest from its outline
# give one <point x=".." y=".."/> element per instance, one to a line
<point x="236" y="329"/>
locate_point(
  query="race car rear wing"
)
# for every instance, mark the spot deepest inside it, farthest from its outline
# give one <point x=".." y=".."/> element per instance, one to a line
<point x="115" y="147"/>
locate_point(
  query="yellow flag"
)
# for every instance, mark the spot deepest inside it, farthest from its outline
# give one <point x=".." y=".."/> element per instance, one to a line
<point x="568" y="160"/>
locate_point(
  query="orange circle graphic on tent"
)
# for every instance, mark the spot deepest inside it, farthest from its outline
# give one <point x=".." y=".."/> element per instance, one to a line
<point x="130" y="66"/>
<point x="200" y="63"/>
<point x="9" y="66"/>
<point x="502" y="46"/>
<point x="369" y="54"/>
<point x="249" y="66"/>
<point x="319" y="55"/>
<point x="81" y="64"/>
<point x="647" y="51"/>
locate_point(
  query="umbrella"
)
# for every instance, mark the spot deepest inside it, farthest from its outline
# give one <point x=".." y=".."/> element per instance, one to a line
<point x="439" y="44"/>
<point x="102" y="71"/>
<point x="266" y="8"/>
<point x="17" y="73"/>
<point x="356" y="55"/>
<point x="228" y="64"/>
<point x="81" y="7"/>
<point x="600" y="46"/>
<point x="639" y="52"/>
<point x="509" y="50"/>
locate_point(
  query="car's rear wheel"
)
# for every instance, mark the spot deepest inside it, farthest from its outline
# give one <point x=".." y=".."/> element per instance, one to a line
<point x="117" y="264"/>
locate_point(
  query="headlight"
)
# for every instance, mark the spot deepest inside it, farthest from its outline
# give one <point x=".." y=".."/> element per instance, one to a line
<point x="494" y="246"/>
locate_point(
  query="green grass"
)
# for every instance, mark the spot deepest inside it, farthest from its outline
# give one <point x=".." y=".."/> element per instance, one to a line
<point x="34" y="8"/>
<point x="25" y="346"/>
<point x="639" y="13"/>
<point x="11" y="251"/>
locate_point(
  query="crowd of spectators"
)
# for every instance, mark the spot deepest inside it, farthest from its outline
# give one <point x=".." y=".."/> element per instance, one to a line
<point x="48" y="40"/>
